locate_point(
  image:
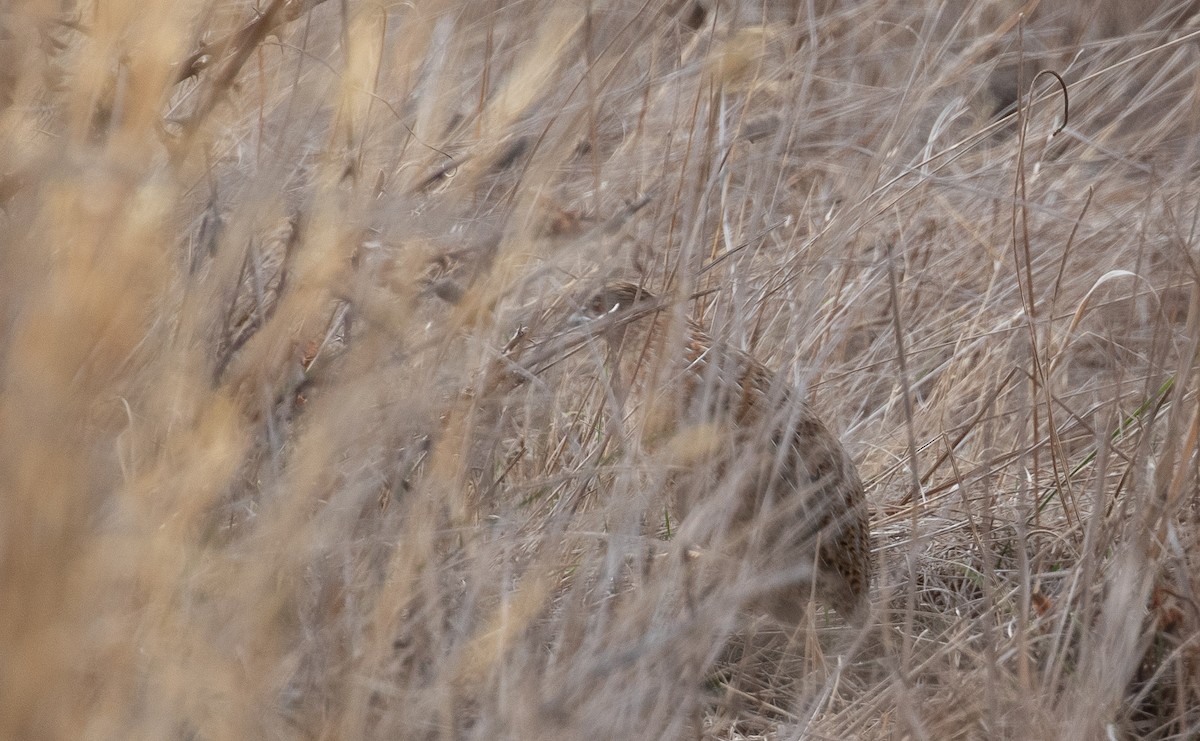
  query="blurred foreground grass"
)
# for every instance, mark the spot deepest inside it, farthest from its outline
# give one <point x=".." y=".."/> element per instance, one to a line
<point x="259" y="267"/>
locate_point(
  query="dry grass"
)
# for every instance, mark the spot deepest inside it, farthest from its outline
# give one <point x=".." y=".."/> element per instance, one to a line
<point x="265" y="473"/>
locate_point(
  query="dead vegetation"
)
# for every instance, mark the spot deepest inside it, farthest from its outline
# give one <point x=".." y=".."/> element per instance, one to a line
<point x="288" y="449"/>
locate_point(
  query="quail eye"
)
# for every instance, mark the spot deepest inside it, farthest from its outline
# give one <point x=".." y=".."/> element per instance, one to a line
<point x="600" y="307"/>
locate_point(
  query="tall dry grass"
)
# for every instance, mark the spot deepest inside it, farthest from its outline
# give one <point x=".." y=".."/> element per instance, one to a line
<point x="286" y="453"/>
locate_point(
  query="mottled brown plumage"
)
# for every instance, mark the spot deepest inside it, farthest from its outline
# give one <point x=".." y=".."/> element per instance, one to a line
<point x="800" y="505"/>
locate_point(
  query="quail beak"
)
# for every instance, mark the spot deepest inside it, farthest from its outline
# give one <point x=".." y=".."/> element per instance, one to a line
<point x="581" y="318"/>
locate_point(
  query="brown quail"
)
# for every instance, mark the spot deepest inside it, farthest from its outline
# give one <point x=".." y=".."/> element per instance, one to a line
<point x="799" y="501"/>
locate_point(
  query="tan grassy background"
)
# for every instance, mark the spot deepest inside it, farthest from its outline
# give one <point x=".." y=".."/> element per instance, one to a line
<point x="261" y="269"/>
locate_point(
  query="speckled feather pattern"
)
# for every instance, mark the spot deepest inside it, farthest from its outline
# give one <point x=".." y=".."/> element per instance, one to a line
<point x="801" y="488"/>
